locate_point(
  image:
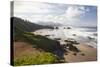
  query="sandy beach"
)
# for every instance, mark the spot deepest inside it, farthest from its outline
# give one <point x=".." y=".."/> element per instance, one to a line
<point x="87" y="53"/>
<point x="87" y="47"/>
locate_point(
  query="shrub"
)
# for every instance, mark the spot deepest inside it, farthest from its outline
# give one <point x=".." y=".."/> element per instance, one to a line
<point x="41" y="58"/>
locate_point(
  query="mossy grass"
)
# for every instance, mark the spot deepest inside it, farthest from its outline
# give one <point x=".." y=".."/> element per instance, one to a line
<point x="31" y="59"/>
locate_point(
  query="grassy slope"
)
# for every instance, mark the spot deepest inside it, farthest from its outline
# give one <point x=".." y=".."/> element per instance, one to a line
<point x="25" y="54"/>
<point x="32" y="59"/>
<point x="21" y="35"/>
<point x="38" y="41"/>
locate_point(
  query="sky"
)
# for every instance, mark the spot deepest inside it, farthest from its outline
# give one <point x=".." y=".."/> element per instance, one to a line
<point x="65" y="14"/>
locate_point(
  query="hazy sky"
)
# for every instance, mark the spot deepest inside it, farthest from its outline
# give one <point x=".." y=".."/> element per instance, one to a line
<point x="78" y="15"/>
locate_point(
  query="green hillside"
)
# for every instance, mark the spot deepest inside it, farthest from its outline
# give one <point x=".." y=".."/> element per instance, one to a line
<point x="21" y="33"/>
<point x="26" y="25"/>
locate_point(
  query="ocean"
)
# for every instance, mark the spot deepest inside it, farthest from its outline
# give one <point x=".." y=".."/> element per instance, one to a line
<point x="86" y="35"/>
<point x="87" y="29"/>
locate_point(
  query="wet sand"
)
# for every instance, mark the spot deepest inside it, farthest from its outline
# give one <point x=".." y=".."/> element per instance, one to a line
<point x="87" y="53"/>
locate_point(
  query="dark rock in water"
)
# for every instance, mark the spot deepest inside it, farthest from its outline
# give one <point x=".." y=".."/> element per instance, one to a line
<point x="64" y="28"/>
<point x="90" y="38"/>
<point x="69" y="40"/>
<point x="75" y="42"/>
<point x="47" y="35"/>
<point x="56" y="28"/>
<point x="65" y="40"/>
<point x="74" y="34"/>
<point x="95" y="34"/>
<point x="72" y="41"/>
<point x="68" y="27"/>
<point x="73" y="48"/>
<point x="57" y="38"/>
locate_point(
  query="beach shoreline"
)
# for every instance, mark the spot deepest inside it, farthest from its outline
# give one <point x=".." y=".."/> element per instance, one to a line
<point x="88" y="50"/>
